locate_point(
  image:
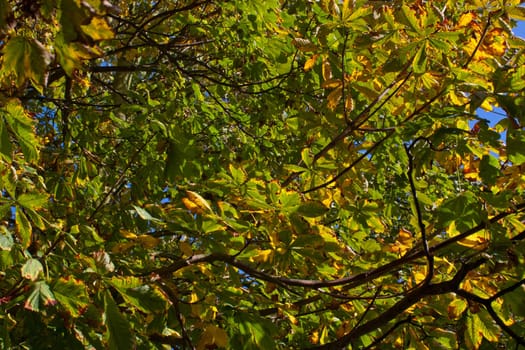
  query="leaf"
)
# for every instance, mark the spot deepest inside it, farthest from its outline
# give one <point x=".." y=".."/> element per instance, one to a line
<point x="326" y="69"/>
<point x="32" y="269"/>
<point x="212" y="336"/>
<point x="489" y="169"/>
<point x="331" y="83"/>
<point x="6" y="239"/>
<point x="238" y="175"/>
<point x="516" y="146"/>
<point x="32" y="201"/>
<point x="196" y="204"/>
<point x="72" y="294"/>
<point x="41" y="292"/>
<point x="26" y="58"/>
<point x="6" y="146"/>
<point x="312" y="209"/>
<point x="456" y="308"/>
<point x="98" y="29"/>
<point x="419" y="66"/>
<point x="144" y="215"/>
<point x="309" y="64"/>
<point x="349" y="103"/>
<point x="265" y="255"/>
<point x="334" y="97"/>
<point x="304" y="45"/>
<point x="146" y="298"/>
<point x="148" y="241"/>
<point x="473" y="331"/>
<point x="477" y="241"/>
<point x="23" y="127"/>
<point x="516" y="12"/>
<point x="118" y="334"/>
<point x="410" y="17"/>
<point x="23" y="228"/>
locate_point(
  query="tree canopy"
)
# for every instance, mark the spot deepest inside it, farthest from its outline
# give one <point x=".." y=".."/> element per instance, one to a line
<point x="261" y="174"/>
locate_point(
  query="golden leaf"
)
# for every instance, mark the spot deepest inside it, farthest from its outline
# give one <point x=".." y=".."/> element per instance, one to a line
<point x="127" y="234"/>
<point x="331" y="83"/>
<point x="148" y="241"/>
<point x="477" y="241"/>
<point x="263" y="256"/>
<point x="195" y="203"/>
<point x="334" y="97"/>
<point x="349" y="103"/>
<point x="465" y="19"/>
<point x="309" y="64"/>
<point x="327" y="69"/>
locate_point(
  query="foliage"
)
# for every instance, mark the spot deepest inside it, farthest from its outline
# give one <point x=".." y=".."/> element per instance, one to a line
<point x="261" y="174"/>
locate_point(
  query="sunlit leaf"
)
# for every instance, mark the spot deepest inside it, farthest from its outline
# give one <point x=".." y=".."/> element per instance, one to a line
<point x="72" y="295"/>
<point x="32" y="269"/>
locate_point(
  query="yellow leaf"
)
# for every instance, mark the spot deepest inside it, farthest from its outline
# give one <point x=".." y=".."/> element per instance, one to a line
<point x="274" y="239"/>
<point x="477" y="241"/>
<point x="195" y="203"/>
<point x="127" y="234"/>
<point x="314" y="337"/>
<point x="148" y="241"/>
<point x="405" y="236"/>
<point x="309" y="64"/>
<point x="334" y="97"/>
<point x="349" y="103"/>
<point x="122" y="247"/>
<point x="211" y="336"/>
<point x="331" y="83"/>
<point x="465" y="19"/>
<point x="193" y="298"/>
<point x="263" y="256"/>
<point x="327" y="69"/>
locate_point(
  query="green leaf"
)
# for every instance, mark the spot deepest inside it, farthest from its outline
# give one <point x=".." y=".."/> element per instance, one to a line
<point x="98" y="29"/>
<point x="144" y="297"/>
<point x="419" y="66"/>
<point x="516" y="146"/>
<point x="144" y="215"/>
<point x="6" y="147"/>
<point x="6" y="239"/>
<point x="32" y="269"/>
<point x="410" y="18"/>
<point x="23" y="127"/>
<point x="23" y="228"/>
<point x="489" y="169"/>
<point x="71" y="293"/>
<point x="473" y="331"/>
<point x="4" y="13"/>
<point x="238" y="175"/>
<point x="41" y="293"/>
<point x="516" y="12"/>
<point x="26" y="58"/>
<point x="312" y="209"/>
<point x="32" y="201"/>
<point x="118" y="335"/>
